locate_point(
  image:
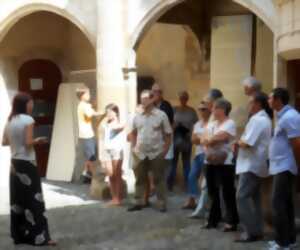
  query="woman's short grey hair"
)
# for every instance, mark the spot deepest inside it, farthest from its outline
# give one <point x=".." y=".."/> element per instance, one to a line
<point x="222" y="103"/>
<point x="252" y="82"/>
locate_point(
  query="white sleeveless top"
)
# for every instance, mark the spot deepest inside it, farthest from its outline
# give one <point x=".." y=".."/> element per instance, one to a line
<point x="111" y="139"/>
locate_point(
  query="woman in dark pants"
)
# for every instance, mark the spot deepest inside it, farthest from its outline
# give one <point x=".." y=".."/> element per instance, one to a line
<point x="28" y="220"/>
<point x="220" y="172"/>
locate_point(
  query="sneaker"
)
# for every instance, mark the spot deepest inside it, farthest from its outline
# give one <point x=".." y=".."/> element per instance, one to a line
<point x="274" y="246"/>
<point x="85" y="180"/>
<point x="87" y="174"/>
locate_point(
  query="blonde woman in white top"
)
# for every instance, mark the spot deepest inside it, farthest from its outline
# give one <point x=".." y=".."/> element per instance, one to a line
<point x="111" y="152"/>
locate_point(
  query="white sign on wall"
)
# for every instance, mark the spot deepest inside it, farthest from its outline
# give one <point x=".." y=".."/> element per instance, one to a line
<point x="36" y="84"/>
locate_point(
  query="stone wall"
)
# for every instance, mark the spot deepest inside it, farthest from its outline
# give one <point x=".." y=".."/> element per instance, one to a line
<point x="172" y="56"/>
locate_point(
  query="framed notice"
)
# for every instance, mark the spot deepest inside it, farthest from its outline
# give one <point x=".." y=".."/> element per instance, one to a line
<point x="36" y="84"/>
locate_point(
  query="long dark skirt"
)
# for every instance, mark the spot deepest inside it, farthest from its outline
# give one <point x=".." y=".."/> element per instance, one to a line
<point x="29" y="224"/>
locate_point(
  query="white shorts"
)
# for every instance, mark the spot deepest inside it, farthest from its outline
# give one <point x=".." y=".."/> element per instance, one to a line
<point x="111" y="155"/>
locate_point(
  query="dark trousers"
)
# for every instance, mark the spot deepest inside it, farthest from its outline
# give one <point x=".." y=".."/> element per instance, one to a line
<point x="186" y="163"/>
<point x="283" y="208"/>
<point x="221" y="177"/>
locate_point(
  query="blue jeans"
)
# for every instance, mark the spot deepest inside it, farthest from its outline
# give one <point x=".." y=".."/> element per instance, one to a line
<point x="194" y="175"/>
<point x="186" y="163"/>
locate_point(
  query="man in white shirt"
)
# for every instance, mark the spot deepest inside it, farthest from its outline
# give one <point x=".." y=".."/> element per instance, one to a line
<point x="284" y="162"/>
<point x="251" y="167"/>
<point x="151" y="131"/>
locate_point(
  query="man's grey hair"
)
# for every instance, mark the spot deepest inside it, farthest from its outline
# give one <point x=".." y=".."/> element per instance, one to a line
<point x="222" y="103"/>
<point x="252" y="82"/>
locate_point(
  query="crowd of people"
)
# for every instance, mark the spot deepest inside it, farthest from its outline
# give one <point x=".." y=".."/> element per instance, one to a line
<point x="223" y="180"/>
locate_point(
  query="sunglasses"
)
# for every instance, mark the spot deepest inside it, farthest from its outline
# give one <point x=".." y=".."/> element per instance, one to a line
<point x="202" y="109"/>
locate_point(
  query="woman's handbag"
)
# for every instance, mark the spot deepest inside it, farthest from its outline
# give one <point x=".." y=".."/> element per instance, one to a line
<point x="216" y="155"/>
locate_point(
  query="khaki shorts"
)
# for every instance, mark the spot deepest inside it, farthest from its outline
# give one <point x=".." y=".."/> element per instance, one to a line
<point x="111" y="155"/>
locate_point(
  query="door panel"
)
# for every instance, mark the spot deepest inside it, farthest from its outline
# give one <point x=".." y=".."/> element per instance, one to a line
<point x="293" y="73"/>
<point x="41" y="79"/>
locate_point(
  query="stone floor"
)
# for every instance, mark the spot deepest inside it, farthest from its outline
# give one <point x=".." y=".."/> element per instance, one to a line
<point x="78" y="223"/>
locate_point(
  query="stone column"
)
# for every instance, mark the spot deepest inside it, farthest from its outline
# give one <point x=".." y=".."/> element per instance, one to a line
<point x="116" y="74"/>
<point x="112" y="56"/>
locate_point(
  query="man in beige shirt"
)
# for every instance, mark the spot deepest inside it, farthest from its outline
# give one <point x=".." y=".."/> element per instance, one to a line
<point x="151" y="131"/>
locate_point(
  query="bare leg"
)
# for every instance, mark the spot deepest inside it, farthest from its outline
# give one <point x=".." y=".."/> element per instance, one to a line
<point x="117" y="172"/>
<point x="147" y="192"/>
<point x="91" y="167"/>
<point x="190" y="203"/>
<point x="151" y="182"/>
<point x="108" y="165"/>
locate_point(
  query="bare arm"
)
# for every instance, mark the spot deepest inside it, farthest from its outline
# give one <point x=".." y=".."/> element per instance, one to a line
<point x="196" y="139"/>
<point x="221" y="137"/>
<point x="131" y="137"/>
<point x="5" y="141"/>
<point x="167" y="144"/>
<point x="243" y="144"/>
<point x="295" y="142"/>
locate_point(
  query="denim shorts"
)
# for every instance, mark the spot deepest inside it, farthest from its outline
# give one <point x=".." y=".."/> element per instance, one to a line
<point x="89" y="149"/>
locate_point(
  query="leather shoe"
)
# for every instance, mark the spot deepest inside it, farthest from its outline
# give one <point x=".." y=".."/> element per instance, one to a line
<point x="135" y="208"/>
<point x="163" y="210"/>
<point x="208" y="226"/>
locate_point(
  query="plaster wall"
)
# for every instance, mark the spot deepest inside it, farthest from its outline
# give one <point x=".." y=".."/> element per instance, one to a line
<point x="78" y="11"/>
<point x="172" y="56"/>
<point x="288" y="39"/>
<point x="231" y="60"/>
<point x="264" y="58"/>
<point x="143" y="13"/>
<point x="8" y="87"/>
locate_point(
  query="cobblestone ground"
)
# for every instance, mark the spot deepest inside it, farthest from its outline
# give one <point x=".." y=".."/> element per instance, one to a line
<point x="92" y="226"/>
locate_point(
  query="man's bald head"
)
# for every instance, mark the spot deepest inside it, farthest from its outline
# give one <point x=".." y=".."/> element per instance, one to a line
<point x="157" y="93"/>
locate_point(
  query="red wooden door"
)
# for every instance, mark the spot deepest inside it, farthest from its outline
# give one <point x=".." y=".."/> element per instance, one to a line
<point x="293" y="73"/>
<point x="41" y="79"/>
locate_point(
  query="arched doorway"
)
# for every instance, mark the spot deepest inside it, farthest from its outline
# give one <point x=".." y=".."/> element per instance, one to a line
<point x="41" y="50"/>
<point x="41" y="78"/>
<point x="196" y="45"/>
<point x="200" y="25"/>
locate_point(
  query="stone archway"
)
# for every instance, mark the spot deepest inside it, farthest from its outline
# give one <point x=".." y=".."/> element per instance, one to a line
<point x="47" y="33"/>
<point x="28" y="9"/>
<point x="256" y="7"/>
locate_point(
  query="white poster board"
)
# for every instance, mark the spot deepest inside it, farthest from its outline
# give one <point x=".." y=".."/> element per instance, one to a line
<point x="36" y="84"/>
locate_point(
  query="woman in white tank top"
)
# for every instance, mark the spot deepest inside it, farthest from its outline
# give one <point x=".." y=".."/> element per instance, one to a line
<point x="111" y="151"/>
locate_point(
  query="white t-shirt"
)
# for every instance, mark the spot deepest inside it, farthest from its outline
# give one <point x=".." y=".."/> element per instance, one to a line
<point x="257" y="134"/>
<point x="85" y="113"/>
<point x="229" y="127"/>
<point x="199" y="130"/>
<point x="16" y="132"/>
